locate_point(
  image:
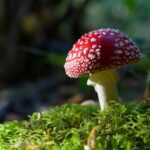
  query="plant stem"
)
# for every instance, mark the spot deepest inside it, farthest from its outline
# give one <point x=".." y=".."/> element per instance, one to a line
<point x="105" y="84"/>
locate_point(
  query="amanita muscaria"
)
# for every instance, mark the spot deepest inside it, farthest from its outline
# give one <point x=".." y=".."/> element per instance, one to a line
<point x="99" y="53"/>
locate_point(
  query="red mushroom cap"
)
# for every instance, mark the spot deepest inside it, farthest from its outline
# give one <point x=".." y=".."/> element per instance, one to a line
<point x="100" y="50"/>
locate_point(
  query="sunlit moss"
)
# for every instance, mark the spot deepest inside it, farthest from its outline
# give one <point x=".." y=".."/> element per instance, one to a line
<point x="68" y="127"/>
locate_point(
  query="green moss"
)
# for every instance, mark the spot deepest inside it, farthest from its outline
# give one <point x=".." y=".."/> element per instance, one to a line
<point x="68" y="127"/>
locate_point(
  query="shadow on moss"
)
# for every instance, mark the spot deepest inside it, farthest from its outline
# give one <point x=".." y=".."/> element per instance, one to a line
<point x="68" y="127"/>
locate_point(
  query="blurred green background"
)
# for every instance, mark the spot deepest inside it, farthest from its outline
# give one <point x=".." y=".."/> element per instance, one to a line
<point x="35" y="37"/>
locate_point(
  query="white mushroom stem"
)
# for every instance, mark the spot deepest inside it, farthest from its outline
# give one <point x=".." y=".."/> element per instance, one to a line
<point x="105" y="84"/>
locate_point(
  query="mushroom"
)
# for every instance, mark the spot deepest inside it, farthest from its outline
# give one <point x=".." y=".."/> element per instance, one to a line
<point x="99" y="53"/>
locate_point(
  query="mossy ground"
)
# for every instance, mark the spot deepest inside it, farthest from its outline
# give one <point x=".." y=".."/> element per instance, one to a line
<point x="68" y="127"/>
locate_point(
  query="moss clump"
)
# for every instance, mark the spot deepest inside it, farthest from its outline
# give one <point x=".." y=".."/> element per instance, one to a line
<point x="68" y="127"/>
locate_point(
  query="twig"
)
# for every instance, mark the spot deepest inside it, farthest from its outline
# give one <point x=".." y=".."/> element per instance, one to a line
<point x="147" y="90"/>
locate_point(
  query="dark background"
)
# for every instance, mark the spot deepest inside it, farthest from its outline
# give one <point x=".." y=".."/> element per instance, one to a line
<point x="35" y="37"/>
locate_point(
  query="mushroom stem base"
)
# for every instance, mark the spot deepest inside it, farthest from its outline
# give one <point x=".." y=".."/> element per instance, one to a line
<point x="105" y="84"/>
